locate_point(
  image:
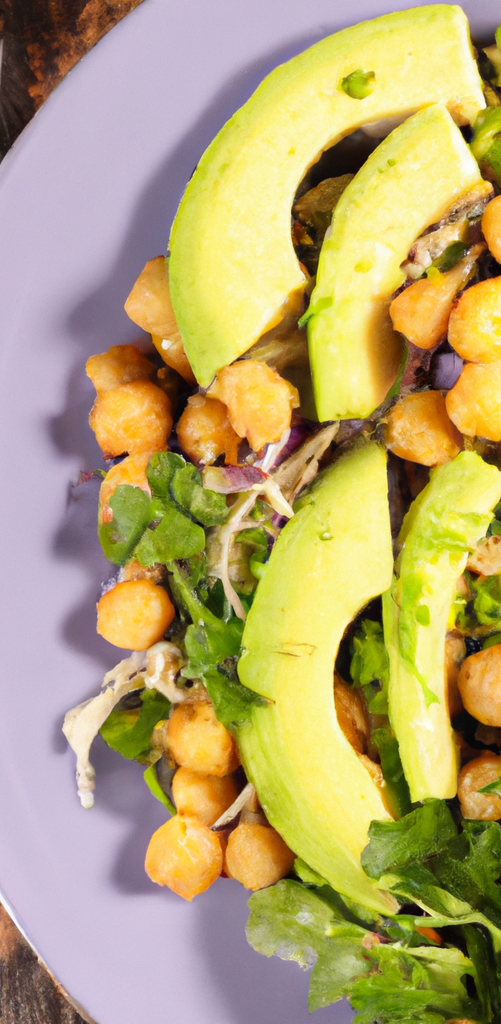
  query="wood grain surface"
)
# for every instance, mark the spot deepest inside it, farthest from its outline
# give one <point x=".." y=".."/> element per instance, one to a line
<point x="41" y="40"/>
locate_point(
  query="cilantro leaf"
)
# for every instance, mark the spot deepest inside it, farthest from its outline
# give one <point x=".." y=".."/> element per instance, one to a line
<point x="151" y="779"/>
<point x="488" y="974"/>
<point x="128" y="730"/>
<point x="176" y="536"/>
<point x="471" y="864"/>
<point x="160" y="470"/>
<point x="231" y="699"/>
<point x="370" y="664"/>
<point x="396" y="844"/>
<point x="206" y="506"/>
<point x="130" y="506"/>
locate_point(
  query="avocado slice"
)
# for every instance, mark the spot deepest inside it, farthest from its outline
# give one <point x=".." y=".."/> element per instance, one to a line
<point x="443" y="524"/>
<point x="407" y="183"/>
<point x="329" y="561"/>
<point x="232" y="263"/>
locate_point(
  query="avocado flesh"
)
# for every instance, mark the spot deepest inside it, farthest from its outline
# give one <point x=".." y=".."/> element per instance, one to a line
<point x="311" y="784"/>
<point x="232" y="262"/>
<point x="443" y="524"/>
<point x="407" y="183"/>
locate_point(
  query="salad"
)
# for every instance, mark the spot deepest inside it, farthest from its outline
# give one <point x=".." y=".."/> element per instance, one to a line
<point x="301" y="503"/>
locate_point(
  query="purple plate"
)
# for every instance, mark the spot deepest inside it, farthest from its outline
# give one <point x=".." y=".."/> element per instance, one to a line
<point x="87" y="195"/>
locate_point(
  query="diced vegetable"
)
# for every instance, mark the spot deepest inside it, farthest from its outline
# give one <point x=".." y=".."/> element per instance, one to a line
<point x="205" y="432"/>
<point x="184" y="855"/>
<point x="134" y="615"/>
<point x="421" y="311"/>
<point x="257" y="856"/>
<point x="206" y="797"/>
<point x="475" y="323"/>
<point x="418" y="429"/>
<point x="198" y="741"/>
<point x="259" y="401"/>
<point x="474" y="403"/>
<point x="131" y="418"/>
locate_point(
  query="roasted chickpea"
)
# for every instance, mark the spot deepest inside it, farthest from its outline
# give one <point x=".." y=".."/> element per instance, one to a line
<point x="134" y="614"/>
<point x="259" y="401"/>
<point x="132" y="418"/>
<point x="475" y="323"/>
<point x="479" y="683"/>
<point x="206" y="797"/>
<point x="491" y="227"/>
<point x="149" y="306"/>
<point x="486" y="558"/>
<point x="119" y="365"/>
<point x="198" y="741"/>
<point x="474" y="403"/>
<point x="257" y="856"/>
<point x="421" y="312"/>
<point x="205" y="432"/>
<point x="418" y="429"/>
<point x="173" y="354"/>
<point x="351" y="714"/>
<point x="132" y="471"/>
<point x="455" y="653"/>
<point x="472" y="777"/>
<point x="184" y="855"/>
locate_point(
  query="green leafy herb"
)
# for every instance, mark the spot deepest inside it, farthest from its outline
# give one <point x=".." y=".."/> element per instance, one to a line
<point x="370" y="664"/>
<point x="130" y="507"/>
<point x="176" y="536"/>
<point x="208" y="645"/>
<point x="151" y="780"/>
<point x="232" y="701"/>
<point x="161" y="469"/>
<point x="386" y="982"/>
<point x="128" y="731"/>
<point x="492" y="787"/>
<point x="486" y="142"/>
<point x="358" y="84"/>
<point x="206" y="506"/>
<point x="257" y="540"/>
<point x="395" y="844"/>
<point x="487" y="601"/>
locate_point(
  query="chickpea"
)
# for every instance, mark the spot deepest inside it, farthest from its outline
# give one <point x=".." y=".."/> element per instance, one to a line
<point x="491" y="227"/>
<point x="198" y="741"/>
<point x="472" y="777"/>
<point x="479" y="683"/>
<point x="184" y="855"/>
<point x="475" y="323"/>
<point x="421" y="312"/>
<point x="206" y="797"/>
<point x="486" y="558"/>
<point x="474" y="403"/>
<point x="351" y="714"/>
<point x="134" y="614"/>
<point x="418" y="429"/>
<point x="205" y="432"/>
<point x="257" y="856"/>
<point x="455" y="653"/>
<point x="119" y="365"/>
<point x="132" y="470"/>
<point x="132" y="418"/>
<point x="148" y="304"/>
<point x="259" y="401"/>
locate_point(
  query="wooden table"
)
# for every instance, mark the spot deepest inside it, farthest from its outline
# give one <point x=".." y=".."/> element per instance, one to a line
<point x="42" y="40"/>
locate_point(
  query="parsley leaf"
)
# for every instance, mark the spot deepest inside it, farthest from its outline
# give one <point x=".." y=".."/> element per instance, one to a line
<point x="395" y="844"/>
<point x="128" y="730"/>
<point x="130" y="507"/>
<point x="176" y="536"/>
<point x="161" y="469"/>
<point x="370" y="664"/>
<point x="206" y="506"/>
<point x="231" y="699"/>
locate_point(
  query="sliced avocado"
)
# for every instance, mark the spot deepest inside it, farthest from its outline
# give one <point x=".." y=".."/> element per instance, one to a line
<point x="407" y="184"/>
<point x="232" y="261"/>
<point x="443" y="524"/>
<point x="329" y="561"/>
